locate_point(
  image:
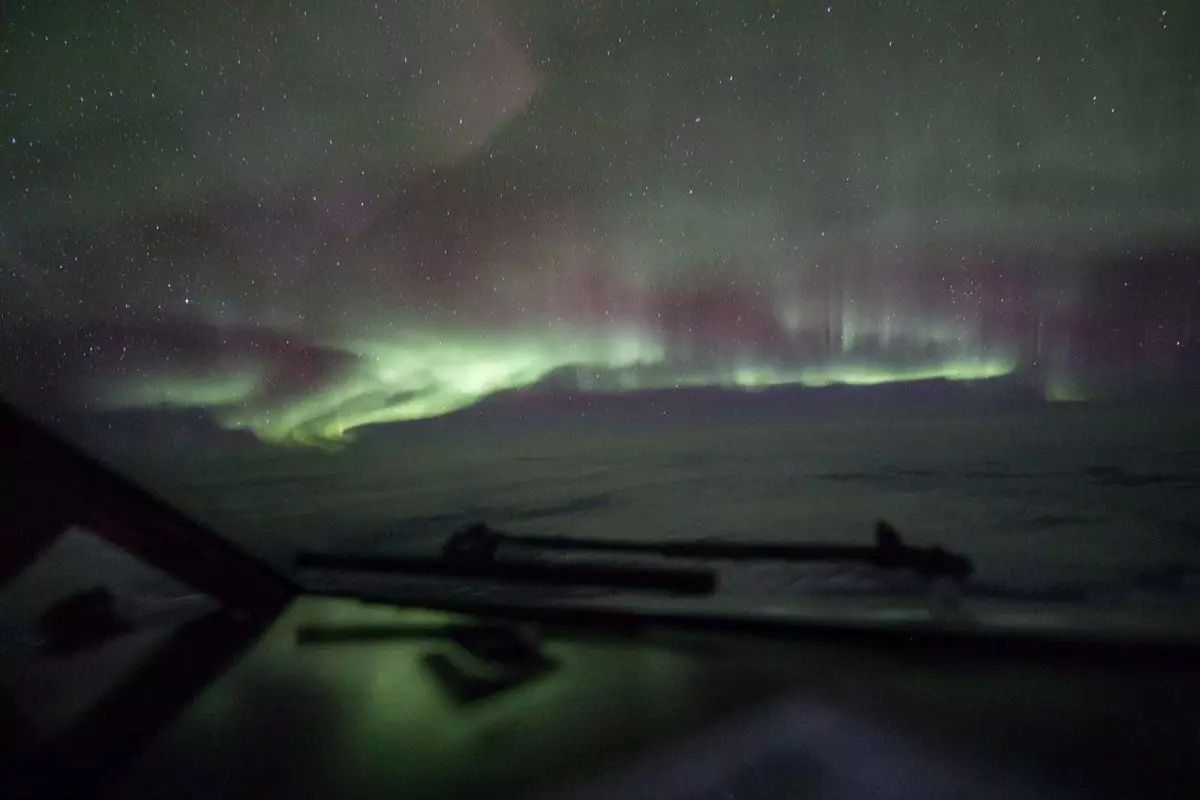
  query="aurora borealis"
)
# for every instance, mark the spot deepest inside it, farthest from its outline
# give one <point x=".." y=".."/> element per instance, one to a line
<point x="304" y="217"/>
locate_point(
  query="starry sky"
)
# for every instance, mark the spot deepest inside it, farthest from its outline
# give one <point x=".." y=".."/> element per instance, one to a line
<point x="303" y="217"/>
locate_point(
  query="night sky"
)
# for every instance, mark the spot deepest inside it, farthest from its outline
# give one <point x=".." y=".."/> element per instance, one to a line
<point x="305" y="217"/>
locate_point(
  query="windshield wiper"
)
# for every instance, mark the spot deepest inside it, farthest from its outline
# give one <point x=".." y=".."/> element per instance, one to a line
<point x="483" y="565"/>
<point x="888" y="552"/>
<point x="473" y="553"/>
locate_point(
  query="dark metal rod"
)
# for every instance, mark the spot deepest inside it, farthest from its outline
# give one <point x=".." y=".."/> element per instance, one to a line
<point x="887" y="552"/>
<point x="663" y="579"/>
<point x="701" y="549"/>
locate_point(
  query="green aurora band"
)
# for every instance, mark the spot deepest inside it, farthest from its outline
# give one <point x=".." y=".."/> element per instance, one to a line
<point x="440" y="375"/>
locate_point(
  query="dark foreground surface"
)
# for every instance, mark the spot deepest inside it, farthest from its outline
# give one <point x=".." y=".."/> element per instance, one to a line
<point x="344" y="700"/>
<point x="1087" y="512"/>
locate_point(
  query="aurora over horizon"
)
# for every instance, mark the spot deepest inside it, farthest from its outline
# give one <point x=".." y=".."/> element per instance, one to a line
<point x="308" y="217"/>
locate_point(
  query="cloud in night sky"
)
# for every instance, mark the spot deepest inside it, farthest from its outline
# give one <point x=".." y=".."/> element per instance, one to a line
<point x="306" y="217"/>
